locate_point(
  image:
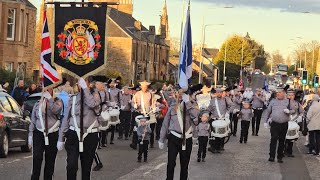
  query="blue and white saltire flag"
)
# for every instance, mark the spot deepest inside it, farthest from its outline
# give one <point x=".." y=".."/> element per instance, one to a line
<point x="186" y="55"/>
<point x="265" y="85"/>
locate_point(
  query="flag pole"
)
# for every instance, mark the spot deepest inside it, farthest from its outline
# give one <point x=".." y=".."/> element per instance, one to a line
<point x="180" y="46"/>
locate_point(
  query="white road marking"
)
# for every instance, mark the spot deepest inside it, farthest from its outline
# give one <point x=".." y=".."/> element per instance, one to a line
<point x="156" y="168"/>
<point x="318" y="158"/>
<point x="27" y="157"/>
<point x="16" y="160"/>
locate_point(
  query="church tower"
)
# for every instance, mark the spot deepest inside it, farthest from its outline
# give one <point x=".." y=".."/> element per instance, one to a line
<point x="164" y="24"/>
<point x="125" y="6"/>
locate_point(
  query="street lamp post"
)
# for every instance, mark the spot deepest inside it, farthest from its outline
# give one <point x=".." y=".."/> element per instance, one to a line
<point x="224" y="63"/>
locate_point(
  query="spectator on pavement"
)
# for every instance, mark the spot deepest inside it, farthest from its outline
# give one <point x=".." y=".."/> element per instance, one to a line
<point x="313" y="121"/>
<point x="33" y="89"/>
<point x="19" y="94"/>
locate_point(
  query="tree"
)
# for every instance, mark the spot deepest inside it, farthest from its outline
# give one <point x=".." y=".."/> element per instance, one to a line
<point x="277" y="58"/>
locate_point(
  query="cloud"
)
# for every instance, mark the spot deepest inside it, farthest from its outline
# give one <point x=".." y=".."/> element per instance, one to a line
<point x="312" y="6"/>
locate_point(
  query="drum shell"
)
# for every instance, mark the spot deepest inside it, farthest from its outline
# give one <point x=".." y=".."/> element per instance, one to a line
<point x="293" y="130"/>
<point x="220" y="128"/>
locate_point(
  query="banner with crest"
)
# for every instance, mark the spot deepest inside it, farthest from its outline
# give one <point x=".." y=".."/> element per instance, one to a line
<point x="79" y="47"/>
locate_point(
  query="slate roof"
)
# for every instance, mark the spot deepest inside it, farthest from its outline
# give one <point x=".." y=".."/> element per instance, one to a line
<point x="210" y="52"/>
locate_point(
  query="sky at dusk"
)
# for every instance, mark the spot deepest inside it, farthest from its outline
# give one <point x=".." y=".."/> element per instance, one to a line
<point x="272" y="23"/>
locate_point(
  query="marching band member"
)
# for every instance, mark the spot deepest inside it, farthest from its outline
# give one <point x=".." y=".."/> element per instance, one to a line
<point x="115" y="100"/>
<point x="220" y="107"/>
<point x="163" y="106"/>
<point x="203" y="130"/>
<point x="43" y="134"/>
<point x="279" y="110"/>
<point x="144" y="133"/>
<point x="294" y="117"/>
<point x="177" y="142"/>
<point x="257" y="105"/>
<point x="237" y="100"/>
<point x="245" y="116"/>
<point x="134" y="112"/>
<point x="80" y="116"/>
<point x="125" y="113"/>
<point x="143" y="102"/>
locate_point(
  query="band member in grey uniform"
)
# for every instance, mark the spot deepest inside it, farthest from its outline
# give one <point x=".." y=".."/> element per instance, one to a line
<point x="104" y="95"/>
<point x="257" y="105"/>
<point x="220" y="107"/>
<point x="125" y="113"/>
<point x="43" y="134"/>
<point x="237" y="100"/>
<point x="76" y="146"/>
<point x="173" y="123"/>
<point x="279" y="110"/>
<point x="115" y="100"/>
<point x="143" y="102"/>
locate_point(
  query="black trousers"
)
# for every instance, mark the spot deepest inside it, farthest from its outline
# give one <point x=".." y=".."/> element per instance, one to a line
<point x="86" y="157"/>
<point x="152" y="127"/>
<point x="134" y="114"/>
<point x="134" y="136"/>
<point x="278" y="137"/>
<point x="257" y="113"/>
<point x="244" y="130"/>
<point x="143" y="149"/>
<point x="111" y="129"/>
<point x="175" y="147"/>
<point x="158" y="127"/>
<point x="288" y="146"/>
<point x="103" y="138"/>
<point x="97" y="158"/>
<point x="234" y="123"/>
<point x="314" y="138"/>
<point x="202" y="151"/>
<point x="125" y="119"/>
<point x="50" y="154"/>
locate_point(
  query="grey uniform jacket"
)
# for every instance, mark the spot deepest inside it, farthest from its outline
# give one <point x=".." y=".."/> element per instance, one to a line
<point x="114" y="95"/>
<point x="225" y="106"/>
<point x="126" y="101"/>
<point x="237" y="100"/>
<point x="105" y="102"/>
<point x="203" y="129"/>
<point x="171" y="122"/>
<point x="91" y="105"/>
<point x="275" y="110"/>
<point x="257" y="101"/>
<point x="54" y="108"/>
<point x="140" y="132"/>
<point x="246" y="115"/>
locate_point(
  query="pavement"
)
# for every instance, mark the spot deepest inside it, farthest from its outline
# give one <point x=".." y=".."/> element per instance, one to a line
<point x="238" y="161"/>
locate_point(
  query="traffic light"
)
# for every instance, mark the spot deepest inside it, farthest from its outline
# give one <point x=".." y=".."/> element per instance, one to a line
<point x="304" y="77"/>
<point x="316" y="81"/>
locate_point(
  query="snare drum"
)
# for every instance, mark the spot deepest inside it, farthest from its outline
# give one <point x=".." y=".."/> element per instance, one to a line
<point x="114" y="115"/>
<point x="220" y="128"/>
<point x="293" y="130"/>
<point x="104" y="123"/>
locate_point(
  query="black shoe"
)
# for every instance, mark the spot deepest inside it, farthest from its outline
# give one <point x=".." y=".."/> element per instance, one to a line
<point x="245" y="142"/>
<point x="256" y="135"/>
<point x="151" y="146"/>
<point x="210" y="149"/>
<point x="222" y="149"/>
<point x="145" y="160"/>
<point x="139" y="161"/>
<point x="240" y="141"/>
<point x="309" y="152"/>
<point x="198" y="160"/>
<point x="271" y="159"/>
<point x="111" y="142"/>
<point x="280" y="161"/>
<point x="133" y="146"/>
<point x="315" y="154"/>
<point x="98" y="167"/>
<point x="290" y="155"/>
<point x="234" y="135"/>
<point x="203" y="160"/>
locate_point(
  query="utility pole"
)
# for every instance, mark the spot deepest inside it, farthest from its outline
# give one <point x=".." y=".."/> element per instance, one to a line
<point x="201" y="51"/>
<point x="224" y="64"/>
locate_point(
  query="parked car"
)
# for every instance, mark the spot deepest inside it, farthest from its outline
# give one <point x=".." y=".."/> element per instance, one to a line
<point x="14" y="125"/>
<point x="31" y="101"/>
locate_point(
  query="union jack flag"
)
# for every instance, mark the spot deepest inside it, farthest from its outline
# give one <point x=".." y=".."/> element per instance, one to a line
<point x="49" y="74"/>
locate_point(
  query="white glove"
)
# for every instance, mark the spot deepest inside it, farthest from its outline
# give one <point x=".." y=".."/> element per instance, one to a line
<point x="135" y="106"/>
<point x="82" y="83"/>
<point x="60" y="146"/>
<point x="47" y="95"/>
<point x="161" y="145"/>
<point x="123" y="107"/>
<point x="287" y="111"/>
<point x="30" y="141"/>
<point x="266" y="125"/>
<point x="185" y="98"/>
<point x="235" y="111"/>
<point x="299" y="119"/>
<point x="227" y="115"/>
<point x="157" y="109"/>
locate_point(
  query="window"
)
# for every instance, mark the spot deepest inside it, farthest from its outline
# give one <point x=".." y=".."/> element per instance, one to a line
<point x="15" y="106"/>
<point x="11" y="24"/>
<point x="9" y="66"/>
<point x="26" y="27"/>
<point x="5" y="104"/>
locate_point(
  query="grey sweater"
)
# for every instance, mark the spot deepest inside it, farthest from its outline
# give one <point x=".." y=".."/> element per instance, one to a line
<point x="140" y="132"/>
<point x="203" y="129"/>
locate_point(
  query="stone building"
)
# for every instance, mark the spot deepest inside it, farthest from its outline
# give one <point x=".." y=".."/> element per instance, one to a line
<point x="17" y="31"/>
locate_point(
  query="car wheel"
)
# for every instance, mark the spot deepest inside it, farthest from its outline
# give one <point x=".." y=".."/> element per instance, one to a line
<point x="4" y="145"/>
